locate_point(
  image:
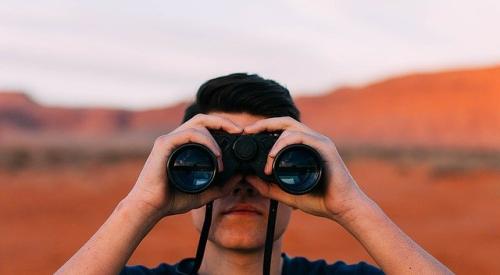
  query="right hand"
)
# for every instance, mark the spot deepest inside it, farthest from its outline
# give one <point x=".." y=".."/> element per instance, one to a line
<point x="152" y="191"/>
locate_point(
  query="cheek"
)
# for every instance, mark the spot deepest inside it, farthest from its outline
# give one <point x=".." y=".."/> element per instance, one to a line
<point x="282" y="220"/>
<point x="198" y="216"/>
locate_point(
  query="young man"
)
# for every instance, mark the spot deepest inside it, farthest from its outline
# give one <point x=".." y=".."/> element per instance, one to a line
<point x="247" y="104"/>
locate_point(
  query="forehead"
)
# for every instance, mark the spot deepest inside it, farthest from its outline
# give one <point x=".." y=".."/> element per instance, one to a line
<point x="240" y="119"/>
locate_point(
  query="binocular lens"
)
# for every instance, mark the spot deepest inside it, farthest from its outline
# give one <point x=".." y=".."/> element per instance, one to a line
<point x="297" y="169"/>
<point x="192" y="168"/>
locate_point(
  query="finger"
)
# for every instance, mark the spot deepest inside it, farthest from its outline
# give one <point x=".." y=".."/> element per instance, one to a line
<point x="209" y="135"/>
<point x="271" y="157"/>
<point x="290" y="137"/>
<point x="274" y="124"/>
<point x="219" y="191"/>
<point x="215" y="122"/>
<point x="166" y="144"/>
<point x="270" y="190"/>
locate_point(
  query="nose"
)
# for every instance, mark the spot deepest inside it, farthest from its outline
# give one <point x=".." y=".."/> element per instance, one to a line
<point x="243" y="188"/>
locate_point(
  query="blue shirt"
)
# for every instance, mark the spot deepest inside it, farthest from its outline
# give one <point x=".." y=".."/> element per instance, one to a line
<point x="291" y="266"/>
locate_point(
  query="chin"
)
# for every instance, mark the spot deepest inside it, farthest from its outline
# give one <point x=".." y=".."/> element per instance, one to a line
<point x="240" y="234"/>
<point x="240" y="242"/>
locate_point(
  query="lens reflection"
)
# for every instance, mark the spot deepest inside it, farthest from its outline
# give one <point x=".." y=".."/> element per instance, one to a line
<point x="297" y="169"/>
<point x="192" y="169"/>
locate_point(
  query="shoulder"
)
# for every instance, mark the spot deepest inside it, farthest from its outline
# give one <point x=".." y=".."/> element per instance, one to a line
<point x="182" y="267"/>
<point x="301" y="265"/>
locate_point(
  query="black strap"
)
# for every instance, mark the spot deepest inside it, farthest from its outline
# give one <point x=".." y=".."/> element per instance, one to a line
<point x="203" y="238"/>
<point x="268" y="249"/>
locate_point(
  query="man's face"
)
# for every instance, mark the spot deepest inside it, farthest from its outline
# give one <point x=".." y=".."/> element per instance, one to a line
<point x="239" y="220"/>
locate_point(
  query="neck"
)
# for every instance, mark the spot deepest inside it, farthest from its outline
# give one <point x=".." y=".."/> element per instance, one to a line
<point x="218" y="260"/>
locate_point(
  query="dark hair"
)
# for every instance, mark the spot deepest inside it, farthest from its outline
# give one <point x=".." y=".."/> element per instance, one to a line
<point x="243" y="93"/>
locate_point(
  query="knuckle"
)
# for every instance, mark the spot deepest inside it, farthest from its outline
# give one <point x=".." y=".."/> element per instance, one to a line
<point x="191" y="132"/>
<point x="297" y="133"/>
<point x="289" y="132"/>
<point x="325" y="139"/>
<point x="284" y="134"/>
<point x="301" y="134"/>
<point x="293" y="135"/>
<point x="186" y="134"/>
<point x="289" y="120"/>
<point x="203" y="131"/>
<point x="199" y="117"/>
<point x="256" y="125"/>
<point x="161" y="140"/>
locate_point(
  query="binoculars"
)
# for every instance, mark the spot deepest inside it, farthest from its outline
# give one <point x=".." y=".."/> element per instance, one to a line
<point x="192" y="167"/>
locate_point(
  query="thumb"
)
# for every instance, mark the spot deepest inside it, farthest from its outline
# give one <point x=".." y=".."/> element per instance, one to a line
<point x="220" y="190"/>
<point x="271" y="190"/>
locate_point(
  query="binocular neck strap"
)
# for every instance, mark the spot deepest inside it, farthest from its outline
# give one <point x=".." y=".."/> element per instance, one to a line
<point x="268" y="249"/>
<point x="203" y="238"/>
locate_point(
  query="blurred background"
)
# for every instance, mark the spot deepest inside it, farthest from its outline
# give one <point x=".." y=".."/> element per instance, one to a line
<point x="409" y="92"/>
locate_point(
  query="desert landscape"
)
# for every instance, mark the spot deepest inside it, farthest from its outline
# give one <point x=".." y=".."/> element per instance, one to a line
<point x="424" y="146"/>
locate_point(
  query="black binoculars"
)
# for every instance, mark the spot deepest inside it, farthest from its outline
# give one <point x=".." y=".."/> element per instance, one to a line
<point x="192" y="167"/>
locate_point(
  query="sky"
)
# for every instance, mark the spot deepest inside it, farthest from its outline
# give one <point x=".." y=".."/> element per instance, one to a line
<point x="146" y="54"/>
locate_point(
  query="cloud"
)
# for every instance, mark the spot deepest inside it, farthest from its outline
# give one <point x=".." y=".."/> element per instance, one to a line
<point x="155" y="53"/>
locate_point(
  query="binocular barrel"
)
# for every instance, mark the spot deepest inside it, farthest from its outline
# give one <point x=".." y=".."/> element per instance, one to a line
<point x="192" y="167"/>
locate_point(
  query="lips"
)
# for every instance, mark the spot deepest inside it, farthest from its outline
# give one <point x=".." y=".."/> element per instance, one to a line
<point x="242" y="209"/>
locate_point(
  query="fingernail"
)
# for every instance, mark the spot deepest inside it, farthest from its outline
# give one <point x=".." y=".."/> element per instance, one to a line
<point x="270" y="168"/>
<point x="268" y="171"/>
<point x="219" y="161"/>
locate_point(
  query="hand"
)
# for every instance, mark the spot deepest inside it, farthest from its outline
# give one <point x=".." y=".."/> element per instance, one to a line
<point x="152" y="191"/>
<point x="341" y="193"/>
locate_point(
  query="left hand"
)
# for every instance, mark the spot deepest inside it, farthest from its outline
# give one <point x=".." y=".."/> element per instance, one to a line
<point x="341" y="193"/>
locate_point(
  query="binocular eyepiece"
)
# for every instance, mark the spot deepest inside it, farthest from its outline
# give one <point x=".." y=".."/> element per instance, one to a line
<point x="192" y="167"/>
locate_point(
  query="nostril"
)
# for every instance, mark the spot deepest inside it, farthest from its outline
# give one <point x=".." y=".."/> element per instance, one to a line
<point x="250" y="191"/>
<point x="236" y="190"/>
